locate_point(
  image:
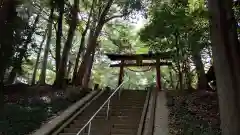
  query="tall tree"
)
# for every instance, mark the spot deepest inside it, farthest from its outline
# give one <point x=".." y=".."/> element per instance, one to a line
<point x="202" y="80"/>
<point x="47" y="46"/>
<point x="73" y="24"/>
<point x="8" y="16"/>
<point x="60" y="5"/>
<point x="226" y="55"/>
<point x="87" y="75"/>
<point x="69" y="69"/>
<point x="82" y="43"/>
<point x="126" y="7"/>
<point x="92" y="43"/>
<point x="38" y="58"/>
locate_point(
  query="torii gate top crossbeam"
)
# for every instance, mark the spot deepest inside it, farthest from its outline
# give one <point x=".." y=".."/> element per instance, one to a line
<point x="149" y="56"/>
<point x="140" y="65"/>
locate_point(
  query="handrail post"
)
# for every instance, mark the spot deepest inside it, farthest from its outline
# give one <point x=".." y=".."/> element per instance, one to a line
<point x="119" y="94"/>
<point x="85" y="130"/>
<point x="89" y="128"/>
<point x="89" y="123"/>
<point x="108" y="108"/>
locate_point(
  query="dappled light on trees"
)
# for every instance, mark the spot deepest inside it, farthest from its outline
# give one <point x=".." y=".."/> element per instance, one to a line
<point x="48" y="46"/>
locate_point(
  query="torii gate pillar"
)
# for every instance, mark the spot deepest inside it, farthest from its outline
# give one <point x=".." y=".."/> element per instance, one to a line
<point x="158" y="78"/>
<point x="121" y="73"/>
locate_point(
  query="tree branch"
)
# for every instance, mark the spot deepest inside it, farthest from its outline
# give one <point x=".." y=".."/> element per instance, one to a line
<point x="115" y="16"/>
<point x="104" y="12"/>
<point x="50" y="51"/>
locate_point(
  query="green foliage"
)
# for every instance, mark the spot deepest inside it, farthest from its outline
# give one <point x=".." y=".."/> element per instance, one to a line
<point x="179" y="26"/>
<point x="129" y="5"/>
<point x="169" y="20"/>
<point x="119" y="35"/>
<point x="165" y="20"/>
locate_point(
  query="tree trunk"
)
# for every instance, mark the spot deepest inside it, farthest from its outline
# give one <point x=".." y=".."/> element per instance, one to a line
<point x="87" y="75"/>
<point x="81" y="48"/>
<point x="18" y="62"/>
<point x="38" y="57"/>
<point x="92" y="43"/>
<point x="59" y="33"/>
<point x="62" y="68"/>
<point x="82" y="44"/>
<point x="171" y="78"/>
<point x="180" y="74"/>
<point x="202" y="80"/>
<point x="69" y="69"/>
<point x="47" y="47"/>
<point x="226" y="55"/>
<point x="1" y="88"/>
<point x="188" y="75"/>
<point x="7" y="14"/>
<point x="13" y="74"/>
<point x="82" y="69"/>
<point x="4" y="10"/>
<point x="91" y="34"/>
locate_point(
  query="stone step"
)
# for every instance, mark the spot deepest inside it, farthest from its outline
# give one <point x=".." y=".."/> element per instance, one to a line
<point x="126" y="109"/>
<point x="124" y="126"/>
<point x="111" y="110"/>
<point x="123" y="107"/>
<point x="123" y="131"/>
<point x="87" y="117"/>
<point x="90" y="112"/>
<point x="132" y="98"/>
<point x="124" y="118"/>
<point x="121" y="134"/>
<point x="124" y="100"/>
<point x="80" y="124"/>
<point x="92" y="133"/>
<point x="67" y="134"/>
<point x="105" y="128"/>
<point x="130" y="123"/>
<point x="129" y="97"/>
<point x="126" y="104"/>
<point x="135" y="97"/>
<point x="83" y="122"/>
<point x="113" y="116"/>
<point x="128" y="112"/>
<point x="125" y="113"/>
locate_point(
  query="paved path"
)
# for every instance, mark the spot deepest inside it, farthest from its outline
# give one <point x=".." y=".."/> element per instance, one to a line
<point x="161" y="115"/>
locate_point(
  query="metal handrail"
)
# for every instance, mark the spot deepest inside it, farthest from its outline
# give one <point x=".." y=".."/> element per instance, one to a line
<point x="89" y="123"/>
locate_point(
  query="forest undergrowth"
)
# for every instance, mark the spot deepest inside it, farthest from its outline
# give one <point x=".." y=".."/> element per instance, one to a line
<point x="23" y="113"/>
<point x="194" y="113"/>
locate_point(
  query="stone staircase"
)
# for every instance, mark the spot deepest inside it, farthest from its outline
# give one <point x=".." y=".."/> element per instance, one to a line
<point x="126" y="112"/>
<point x="124" y="116"/>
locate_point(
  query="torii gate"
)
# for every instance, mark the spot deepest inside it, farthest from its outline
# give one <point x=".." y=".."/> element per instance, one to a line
<point x="160" y="58"/>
